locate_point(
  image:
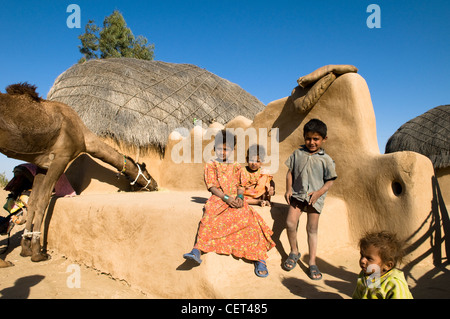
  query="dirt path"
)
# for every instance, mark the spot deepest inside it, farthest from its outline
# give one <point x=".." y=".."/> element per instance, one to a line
<point x="57" y="278"/>
<point x="63" y="278"/>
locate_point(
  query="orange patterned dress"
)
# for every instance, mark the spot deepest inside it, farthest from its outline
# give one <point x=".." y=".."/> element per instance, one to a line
<point x="240" y="232"/>
<point x="257" y="183"/>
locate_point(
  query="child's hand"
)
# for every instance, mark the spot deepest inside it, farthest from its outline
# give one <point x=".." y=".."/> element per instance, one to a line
<point x="264" y="203"/>
<point x="239" y="202"/>
<point x="235" y="202"/>
<point x="287" y="196"/>
<point x="230" y="202"/>
<point x="314" y="196"/>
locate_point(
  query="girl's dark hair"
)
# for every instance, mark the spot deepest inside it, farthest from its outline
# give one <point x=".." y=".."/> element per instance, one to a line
<point x="390" y="246"/>
<point x="315" y="126"/>
<point x="225" y="137"/>
<point x="257" y="150"/>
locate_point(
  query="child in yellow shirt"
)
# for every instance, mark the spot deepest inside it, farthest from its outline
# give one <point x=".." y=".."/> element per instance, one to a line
<point x="259" y="187"/>
<point x="379" y="279"/>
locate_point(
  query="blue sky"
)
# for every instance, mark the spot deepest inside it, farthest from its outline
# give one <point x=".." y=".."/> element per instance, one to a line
<point x="263" y="46"/>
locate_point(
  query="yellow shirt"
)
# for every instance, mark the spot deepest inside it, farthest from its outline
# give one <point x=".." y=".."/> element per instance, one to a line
<point x="392" y="285"/>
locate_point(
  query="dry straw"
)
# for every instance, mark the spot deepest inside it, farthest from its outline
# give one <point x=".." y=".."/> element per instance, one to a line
<point x="139" y="102"/>
<point x="427" y="134"/>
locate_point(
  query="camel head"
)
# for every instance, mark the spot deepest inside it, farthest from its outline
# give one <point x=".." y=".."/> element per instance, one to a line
<point x="152" y="186"/>
<point x="143" y="177"/>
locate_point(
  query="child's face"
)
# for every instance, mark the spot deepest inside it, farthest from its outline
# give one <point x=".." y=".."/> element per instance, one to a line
<point x="223" y="151"/>
<point x="371" y="256"/>
<point x="313" y="141"/>
<point x="254" y="163"/>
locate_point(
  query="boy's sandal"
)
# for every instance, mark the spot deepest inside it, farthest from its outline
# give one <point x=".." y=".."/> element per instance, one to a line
<point x="193" y="255"/>
<point x="291" y="261"/>
<point x="314" y="273"/>
<point x="260" y="266"/>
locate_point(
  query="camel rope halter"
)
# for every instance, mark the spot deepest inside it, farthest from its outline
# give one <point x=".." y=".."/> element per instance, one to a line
<point x="143" y="176"/>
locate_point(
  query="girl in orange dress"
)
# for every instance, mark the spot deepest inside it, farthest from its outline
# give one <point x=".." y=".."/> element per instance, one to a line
<point x="259" y="187"/>
<point x="229" y="225"/>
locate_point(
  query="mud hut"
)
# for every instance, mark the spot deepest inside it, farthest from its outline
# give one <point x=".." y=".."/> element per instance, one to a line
<point x="428" y="134"/>
<point x="139" y="102"/>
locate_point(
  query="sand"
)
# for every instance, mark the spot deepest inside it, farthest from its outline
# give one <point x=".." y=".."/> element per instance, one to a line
<point x="49" y="279"/>
<point x="55" y="278"/>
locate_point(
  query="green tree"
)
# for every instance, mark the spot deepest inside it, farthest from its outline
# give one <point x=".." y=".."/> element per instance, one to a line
<point x="89" y="42"/>
<point x="114" y="40"/>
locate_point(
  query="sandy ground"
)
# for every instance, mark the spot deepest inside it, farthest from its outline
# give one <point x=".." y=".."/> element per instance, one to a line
<point x="54" y="279"/>
<point x="57" y="277"/>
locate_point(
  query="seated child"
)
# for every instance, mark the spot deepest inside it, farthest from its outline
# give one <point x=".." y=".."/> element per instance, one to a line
<point x="260" y="185"/>
<point x="379" y="279"/>
<point x="229" y="225"/>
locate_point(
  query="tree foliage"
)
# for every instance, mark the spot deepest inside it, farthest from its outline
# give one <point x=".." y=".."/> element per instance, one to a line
<point x="114" y="40"/>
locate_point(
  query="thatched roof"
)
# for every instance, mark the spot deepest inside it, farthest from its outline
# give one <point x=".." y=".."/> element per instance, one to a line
<point x="140" y="102"/>
<point x="427" y="134"/>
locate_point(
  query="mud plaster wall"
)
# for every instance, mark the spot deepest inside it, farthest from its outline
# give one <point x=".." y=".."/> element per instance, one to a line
<point x="443" y="178"/>
<point x="392" y="192"/>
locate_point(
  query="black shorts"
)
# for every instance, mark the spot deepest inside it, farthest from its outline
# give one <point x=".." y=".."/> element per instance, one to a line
<point x="302" y="205"/>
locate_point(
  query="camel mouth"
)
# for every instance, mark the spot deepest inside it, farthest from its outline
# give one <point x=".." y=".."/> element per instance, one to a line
<point x="153" y="187"/>
<point x="148" y="189"/>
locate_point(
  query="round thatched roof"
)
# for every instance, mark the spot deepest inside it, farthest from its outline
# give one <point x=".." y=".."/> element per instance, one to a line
<point x="427" y="134"/>
<point x="140" y="102"/>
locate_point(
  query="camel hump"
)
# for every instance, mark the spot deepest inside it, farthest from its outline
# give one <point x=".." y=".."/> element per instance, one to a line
<point x="24" y="88"/>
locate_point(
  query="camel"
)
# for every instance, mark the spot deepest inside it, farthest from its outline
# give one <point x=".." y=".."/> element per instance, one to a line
<point x="51" y="135"/>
